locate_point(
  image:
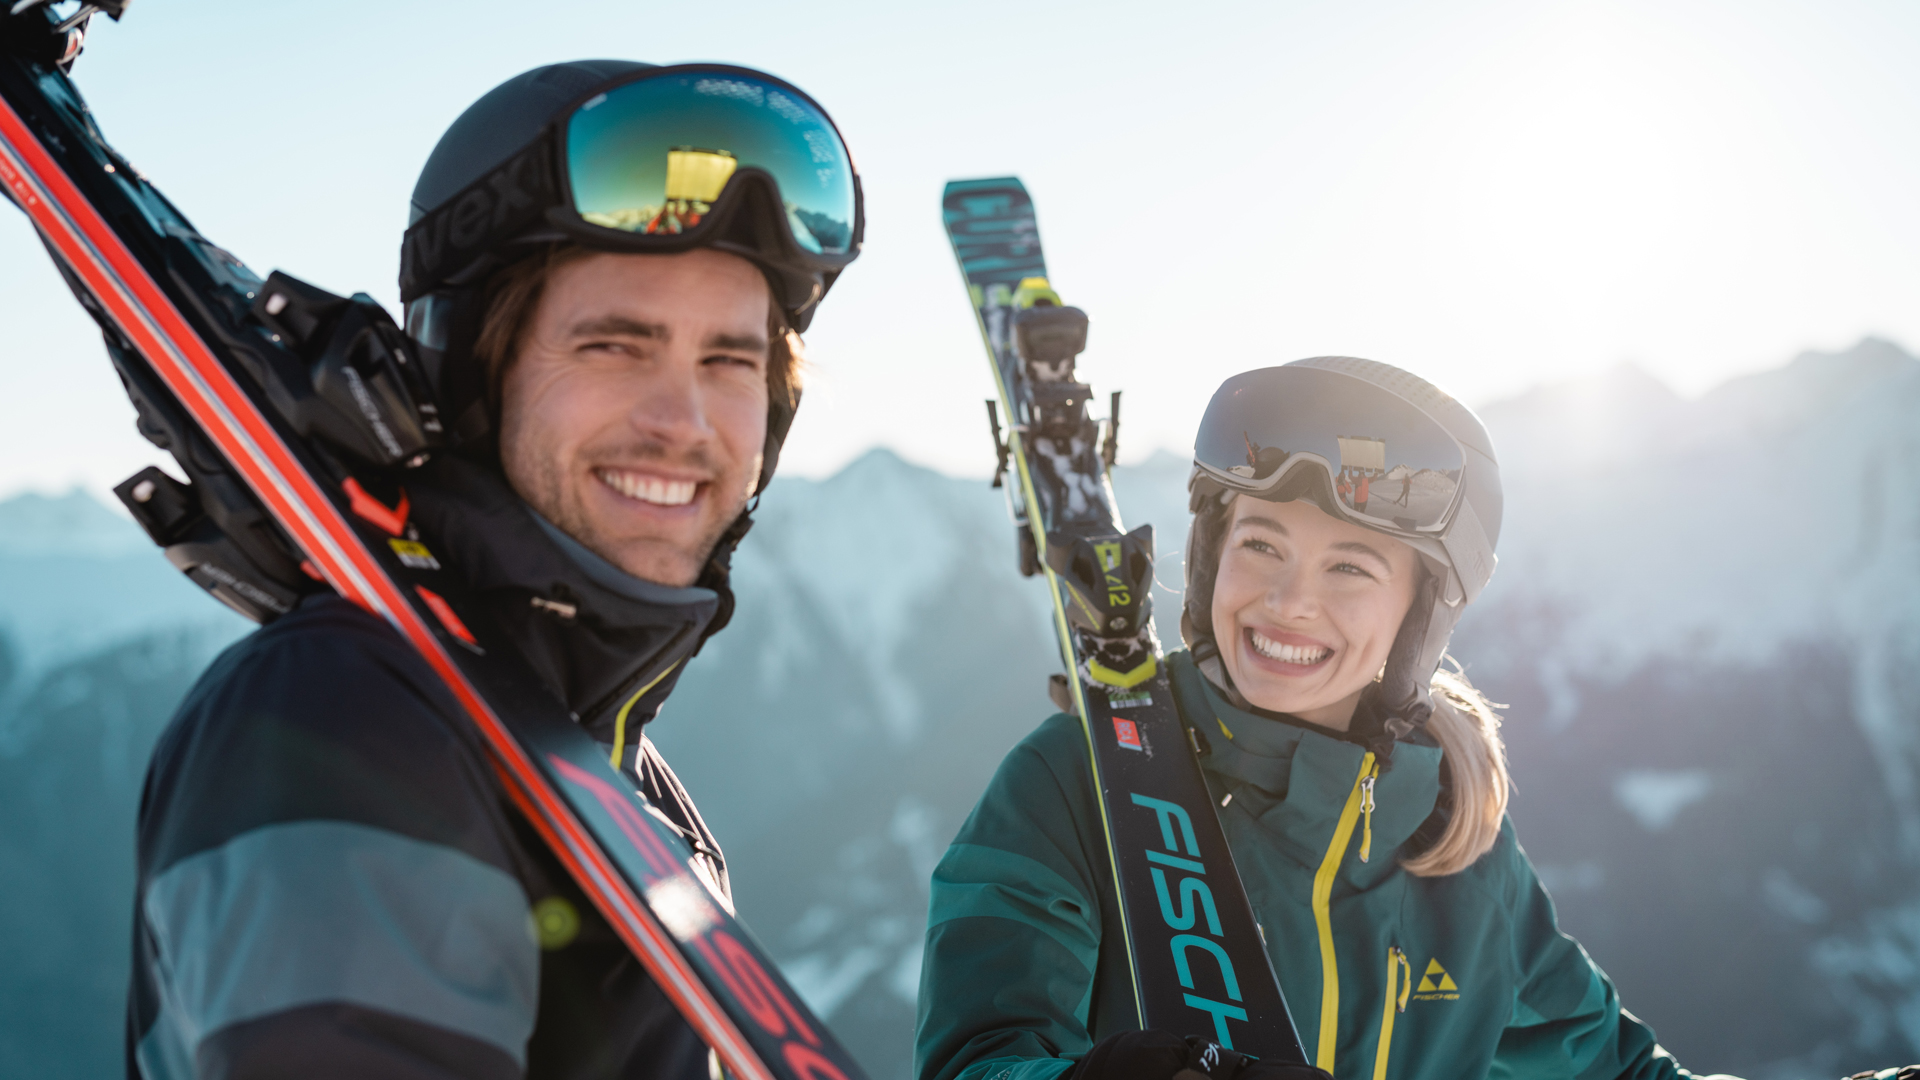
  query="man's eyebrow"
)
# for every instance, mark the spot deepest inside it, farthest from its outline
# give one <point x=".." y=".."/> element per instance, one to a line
<point x="753" y="343"/>
<point x="621" y="325"/>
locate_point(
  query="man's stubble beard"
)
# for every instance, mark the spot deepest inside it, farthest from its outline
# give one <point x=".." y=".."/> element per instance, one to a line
<point x="564" y="505"/>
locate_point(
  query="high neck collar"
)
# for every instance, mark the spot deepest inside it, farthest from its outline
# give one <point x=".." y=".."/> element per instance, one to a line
<point x="614" y="579"/>
<point x="1295" y="780"/>
<point x="608" y="644"/>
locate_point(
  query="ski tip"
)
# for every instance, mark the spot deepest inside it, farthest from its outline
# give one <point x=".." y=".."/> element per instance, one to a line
<point x="997" y="183"/>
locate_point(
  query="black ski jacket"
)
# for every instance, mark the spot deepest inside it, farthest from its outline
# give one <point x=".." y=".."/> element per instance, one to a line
<point x="332" y="882"/>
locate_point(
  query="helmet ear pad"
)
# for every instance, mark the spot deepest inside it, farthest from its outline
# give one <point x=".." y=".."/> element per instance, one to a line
<point x="780" y="416"/>
<point x="1402" y="694"/>
<point x="444" y="326"/>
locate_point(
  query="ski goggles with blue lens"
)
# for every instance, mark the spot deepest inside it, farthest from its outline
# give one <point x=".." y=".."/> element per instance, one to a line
<point x="1300" y="432"/>
<point x="664" y="160"/>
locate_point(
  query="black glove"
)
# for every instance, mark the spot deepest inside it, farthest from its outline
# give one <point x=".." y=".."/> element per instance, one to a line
<point x="1162" y="1055"/>
<point x="1911" y="1072"/>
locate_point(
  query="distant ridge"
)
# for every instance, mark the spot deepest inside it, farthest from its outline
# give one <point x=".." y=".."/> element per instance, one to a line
<point x="76" y="577"/>
<point x="1625" y="413"/>
<point x="72" y="524"/>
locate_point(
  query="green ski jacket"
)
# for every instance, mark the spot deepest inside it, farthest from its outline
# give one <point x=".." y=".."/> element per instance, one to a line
<point x="1388" y="975"/>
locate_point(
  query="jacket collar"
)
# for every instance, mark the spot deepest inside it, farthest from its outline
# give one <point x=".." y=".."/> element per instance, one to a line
<point x="1294" y="780"/>
<point x="608" y="644"/>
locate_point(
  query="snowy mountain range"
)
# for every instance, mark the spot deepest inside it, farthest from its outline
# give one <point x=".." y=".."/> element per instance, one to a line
<point x="1706" y="622"/>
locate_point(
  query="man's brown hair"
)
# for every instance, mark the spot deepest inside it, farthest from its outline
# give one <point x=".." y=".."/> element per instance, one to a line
<point x="514" y="293"/>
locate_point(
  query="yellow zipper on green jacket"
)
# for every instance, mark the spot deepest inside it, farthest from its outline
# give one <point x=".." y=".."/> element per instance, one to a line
<point x="1400" y="976"/>
<point x="1358" y="800"/>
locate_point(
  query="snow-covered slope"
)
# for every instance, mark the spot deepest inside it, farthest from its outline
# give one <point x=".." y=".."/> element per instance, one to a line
<point x="1777" y="510"/>
<point x="1775" y="518"/>
<point x="1707" y="618"/>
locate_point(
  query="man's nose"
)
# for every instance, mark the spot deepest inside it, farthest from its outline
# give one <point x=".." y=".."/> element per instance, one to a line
<point x="668" y="401"/>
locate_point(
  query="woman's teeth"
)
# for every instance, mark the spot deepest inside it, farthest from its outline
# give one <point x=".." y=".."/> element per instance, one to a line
<point x="1288" y="654"/>
<point x="649" y="489"/>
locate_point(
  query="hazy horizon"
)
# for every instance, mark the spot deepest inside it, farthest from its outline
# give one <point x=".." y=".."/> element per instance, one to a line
<point x="1136" y="454"/>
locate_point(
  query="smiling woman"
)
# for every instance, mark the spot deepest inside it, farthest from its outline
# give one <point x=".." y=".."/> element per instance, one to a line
<point x="1306" y="607"/>
<point x="1306" y="612"/>
<point x="1362" y="789"/>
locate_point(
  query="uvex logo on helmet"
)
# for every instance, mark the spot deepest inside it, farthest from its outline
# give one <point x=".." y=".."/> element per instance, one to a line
<point x="497" y="206"/>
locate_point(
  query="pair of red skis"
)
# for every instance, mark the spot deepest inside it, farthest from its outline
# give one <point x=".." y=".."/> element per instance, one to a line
<point x="179" y="315"/>
<point x="175" y="310"/>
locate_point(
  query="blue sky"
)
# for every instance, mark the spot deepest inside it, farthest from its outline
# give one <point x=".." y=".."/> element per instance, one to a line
<point x="1493" y="194"/>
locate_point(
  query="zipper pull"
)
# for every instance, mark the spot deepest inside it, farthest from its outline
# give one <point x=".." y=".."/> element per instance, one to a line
<point x="1366" y="809"/>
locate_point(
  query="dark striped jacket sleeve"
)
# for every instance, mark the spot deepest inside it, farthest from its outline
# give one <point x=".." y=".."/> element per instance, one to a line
<point x="328" y="884"/>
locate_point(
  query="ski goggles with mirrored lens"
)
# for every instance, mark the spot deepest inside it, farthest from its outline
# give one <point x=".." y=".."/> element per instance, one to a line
<point x="1387" y="464"/>
<point x="663" y="160"/>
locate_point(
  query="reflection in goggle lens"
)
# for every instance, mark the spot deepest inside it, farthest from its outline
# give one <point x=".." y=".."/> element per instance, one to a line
<point x="1407" y="495"/>
<point x="653" y="156"/>
<point x="1390" y="462"/>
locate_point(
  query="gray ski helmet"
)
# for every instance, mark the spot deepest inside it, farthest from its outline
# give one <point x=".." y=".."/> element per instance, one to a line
<point x="1370" y="444"/>
<point x="534" y="161"/>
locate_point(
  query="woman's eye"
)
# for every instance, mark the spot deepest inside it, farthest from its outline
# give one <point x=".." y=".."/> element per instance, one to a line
<point x="1349" y="568"/>
<point x="1259" y="545"/>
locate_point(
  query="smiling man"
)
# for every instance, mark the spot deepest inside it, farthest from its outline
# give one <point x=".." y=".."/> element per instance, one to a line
<point x="331" y="882"/>
<point x="634" y="399"/>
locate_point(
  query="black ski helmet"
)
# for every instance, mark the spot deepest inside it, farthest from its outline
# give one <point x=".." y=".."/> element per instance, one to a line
<point x="1313" y="430"/>
<point x="493" y="190"/>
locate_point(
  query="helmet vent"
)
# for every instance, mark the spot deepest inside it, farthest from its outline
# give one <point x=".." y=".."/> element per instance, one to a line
<point x="1437" y="403"/>
<point x="1408" y="385"/>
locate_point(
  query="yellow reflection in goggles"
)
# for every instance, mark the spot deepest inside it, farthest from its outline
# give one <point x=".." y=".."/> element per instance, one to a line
<point x="697" y="175"/>
<point x="694" y="180"/>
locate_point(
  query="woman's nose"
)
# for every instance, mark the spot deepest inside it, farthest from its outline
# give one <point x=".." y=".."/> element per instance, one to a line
<point x="1291" y="596"/>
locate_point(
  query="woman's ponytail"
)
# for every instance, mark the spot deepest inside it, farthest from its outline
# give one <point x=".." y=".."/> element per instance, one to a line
<point x="1468" y="731"/>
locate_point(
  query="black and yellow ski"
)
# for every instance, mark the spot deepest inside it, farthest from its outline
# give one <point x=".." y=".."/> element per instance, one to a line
<point x="1199" y="962"/>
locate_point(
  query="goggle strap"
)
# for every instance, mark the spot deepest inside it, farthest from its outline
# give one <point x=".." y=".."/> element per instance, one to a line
<point x="510" y="199"/>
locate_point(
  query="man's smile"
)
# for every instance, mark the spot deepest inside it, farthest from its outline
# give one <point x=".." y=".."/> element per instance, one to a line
<point x="649" y="488"/>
